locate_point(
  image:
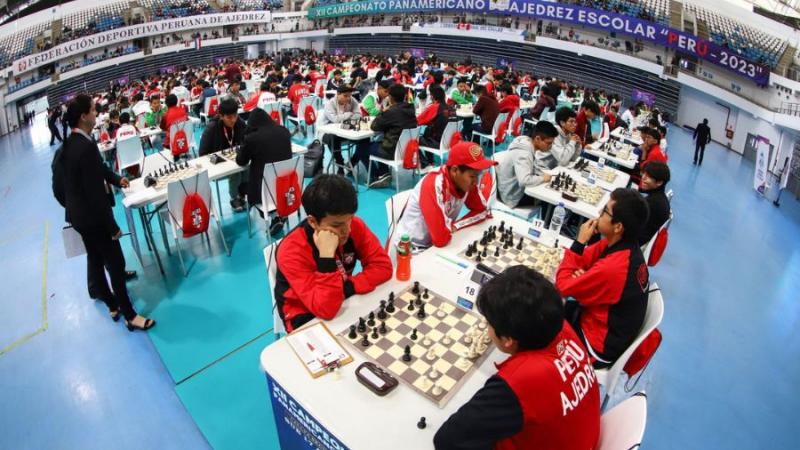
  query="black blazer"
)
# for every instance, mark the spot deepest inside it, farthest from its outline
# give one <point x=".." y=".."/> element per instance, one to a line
<point x="265" y="142"/>
<point x="87" y="203"/>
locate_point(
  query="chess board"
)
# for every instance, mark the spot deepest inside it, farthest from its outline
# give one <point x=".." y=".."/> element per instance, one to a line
<point x="229" y="154"/>
<point x="450" y="362"/>
<point x="565" y="184"/>
<point x="618" y="150"/>
<point x="539" y="257"/>
<point x="606" y="174"/>
<point x="163" y="180"/>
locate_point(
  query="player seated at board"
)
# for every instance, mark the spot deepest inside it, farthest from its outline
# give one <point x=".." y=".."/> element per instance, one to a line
<point x="316" y="260"/>
<point x="545" y="395"/>
<point x="529" y="157"/>
<point x="430" y="216"/>
<point x="655" y="177"/>
<point x="567" y="145"/>
<point x="608" y="280"/>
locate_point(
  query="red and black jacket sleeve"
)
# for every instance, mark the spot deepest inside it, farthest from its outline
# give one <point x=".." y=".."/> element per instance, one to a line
<point x="492" y="414"/>
<point x="603" y="280"/>
<point x="375" y="263"/>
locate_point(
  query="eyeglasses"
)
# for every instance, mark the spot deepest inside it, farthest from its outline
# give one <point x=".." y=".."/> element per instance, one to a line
<point x="606" y="211"/>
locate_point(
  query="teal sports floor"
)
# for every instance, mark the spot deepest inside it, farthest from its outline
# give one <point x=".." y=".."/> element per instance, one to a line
<point x="725" y="377"/>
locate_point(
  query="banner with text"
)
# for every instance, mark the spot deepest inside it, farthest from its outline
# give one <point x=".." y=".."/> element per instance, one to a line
<point x="547" y="10"/>
<point x="125" y="34"/>
<point x="762" y="159"/>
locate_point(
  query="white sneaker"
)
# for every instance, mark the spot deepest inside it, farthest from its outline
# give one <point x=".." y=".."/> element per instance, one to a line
<point x="382" y="182"/>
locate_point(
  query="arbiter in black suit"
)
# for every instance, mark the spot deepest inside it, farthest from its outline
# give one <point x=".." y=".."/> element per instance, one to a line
<point x="702" y="136"/>
<point x="88" y="209"/>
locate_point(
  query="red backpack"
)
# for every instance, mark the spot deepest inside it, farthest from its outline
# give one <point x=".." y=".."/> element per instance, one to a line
<point x="643" y="353"/>
<point x="501" y="133"/>
<point x="485" y="185"/>
<point x="276" y="116"/>
<point x="104" y="136"/>
<point x="515" y="129"/>
<point x="455" y="139"/>
<point x="195" y="212"/>
<point x="659" y="246"/>
<point x="411" y="157"/>
<point x="310" y="115"/>
<point x="180" y="143"/>
<point x="213" y="105"/>
<point x="288" y="192"/>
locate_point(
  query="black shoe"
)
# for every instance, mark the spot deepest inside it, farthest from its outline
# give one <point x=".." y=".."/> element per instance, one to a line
<point x="276" y="227"/>
<point x="694" y="162"/>
<point x="130" y="275"/>
<point x="237" y="204"/>
<point x="340" y="172"/>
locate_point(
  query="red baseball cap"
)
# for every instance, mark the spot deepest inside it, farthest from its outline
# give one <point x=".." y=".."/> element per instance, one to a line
<point x="469" y="154"/>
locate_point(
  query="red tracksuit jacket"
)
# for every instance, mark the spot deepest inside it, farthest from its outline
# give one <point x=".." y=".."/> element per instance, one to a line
<point x="308" y="286"/>
<point x="612" y="293"/>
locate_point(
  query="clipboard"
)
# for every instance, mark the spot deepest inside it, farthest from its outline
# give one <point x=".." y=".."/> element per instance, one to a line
<point x="317" y="349"/>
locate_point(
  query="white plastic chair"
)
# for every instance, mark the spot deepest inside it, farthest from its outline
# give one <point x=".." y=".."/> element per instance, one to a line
<point x="395" y="205"/>
<point x="269" y="107"/>
<point x="523" y="212"/>
<point x="188" y="128"/>
<point x="141" y="123"/>
<point x="176" y="196"/>
<point x="270" y="258"/>
<point x="206" y="107"/>
<point x="269" y="190"/>
<point x="549" y="116"/>
<point x="605" y="134"/>
<point x="655" y="312"/>
<point x="300" y="119"/>
<point x="444" y="143"/>
<point x="623" y="427"/>
<point x="395" y="164"/>
<point x="514" y="116"/>
<point x="129" y="153"/>
<point x="648" y="248"/>
<point x="495" y="130"/>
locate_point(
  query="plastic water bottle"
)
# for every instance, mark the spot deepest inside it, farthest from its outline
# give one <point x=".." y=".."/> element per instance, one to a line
<point x="403" y="272"/>
<point x="558" y="218"/>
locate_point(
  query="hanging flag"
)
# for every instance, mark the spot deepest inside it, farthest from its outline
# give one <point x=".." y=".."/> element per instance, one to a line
<point x="198" y="43"/>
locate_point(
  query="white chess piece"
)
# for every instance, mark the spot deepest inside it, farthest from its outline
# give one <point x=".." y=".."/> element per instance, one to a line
<point x="437" y="390"/>
<point x="467" y="339"/>
<point x="446" y="340"/>
<point x="440" y="314"/>
<point x="427" y="342"/>
<point x="433" y="374"/>
<point x="431" y="355"/>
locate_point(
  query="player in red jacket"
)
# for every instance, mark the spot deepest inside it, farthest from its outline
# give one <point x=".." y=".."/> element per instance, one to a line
<point x="509" y="101"/>
<point x="173" y="115"/>
<point x="609" y="279"/>
<point x="651" y="150"/>
<point x="316" y="260"/>
<point x="297" y="92"/>
<point x="432" y="213"/>
<point x="545" y="395"/>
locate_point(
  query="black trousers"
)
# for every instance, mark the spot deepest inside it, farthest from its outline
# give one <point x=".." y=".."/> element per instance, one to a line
<point x="54" y="134"/>
<point x="334" y="143"/>
<point x="104" y="254"/>
<point x="699" y="147"/>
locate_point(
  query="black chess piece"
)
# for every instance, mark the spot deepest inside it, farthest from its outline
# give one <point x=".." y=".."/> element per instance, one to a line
<point x="352" y="334"/>
<point x="414" y="334"/>
<point x="483" y="253"/>
<point x="478" y="258"/>
<point x="556" y="244"/>
<point x="421" y="311"/>
<point x="497" y="251"/>
<point x="390" y="305"/>
<point x="362" y="325"/>
<point x="502" y="226"/>
<point x="407" y="353"/>
<point x="469" y="251"/>
<point x="425" y="294"/>
<point x="371" y="320"/>
<point x="382" y="311"/>
<point x="382" y="329"/>
<point x="506" y="245"/>
<point x="415" y="289"/>
<point x="519" y="246"/>
<point x="411" y="305"/>
<point x="365" y="341"/>
<point x="421" y="424"/>
<point x="375" y="333"/>
<point x="418" y="301"/>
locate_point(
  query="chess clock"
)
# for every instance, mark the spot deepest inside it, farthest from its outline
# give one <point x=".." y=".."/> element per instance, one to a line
<point x="375" y="379"/>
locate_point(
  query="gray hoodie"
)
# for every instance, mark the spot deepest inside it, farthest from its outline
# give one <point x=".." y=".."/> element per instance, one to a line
<point x="521" y="168"/>
<point x="564" y="150"/>
<point x="335" y="113"/>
